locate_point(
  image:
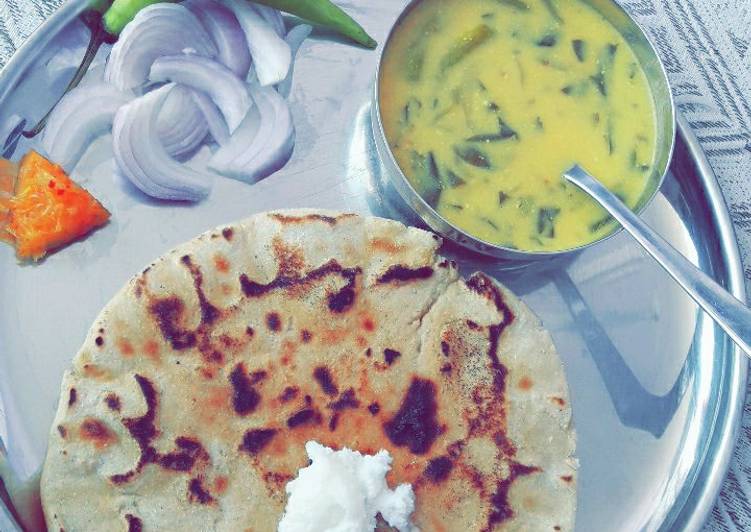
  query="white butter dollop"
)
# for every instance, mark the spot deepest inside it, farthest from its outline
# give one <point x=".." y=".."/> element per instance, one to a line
<point x="343" y="491"/>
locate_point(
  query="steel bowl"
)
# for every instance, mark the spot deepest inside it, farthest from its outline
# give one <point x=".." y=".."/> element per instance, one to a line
<point x="663" y="104"/>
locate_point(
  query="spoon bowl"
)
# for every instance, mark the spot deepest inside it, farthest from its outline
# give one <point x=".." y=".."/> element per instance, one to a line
<point x="729" y="313"/>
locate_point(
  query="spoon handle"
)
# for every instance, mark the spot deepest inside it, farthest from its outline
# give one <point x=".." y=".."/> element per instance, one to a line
<point x="729" y="313"/>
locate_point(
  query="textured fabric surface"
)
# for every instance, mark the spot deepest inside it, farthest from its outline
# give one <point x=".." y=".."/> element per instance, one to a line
<point x="705" y="45"/>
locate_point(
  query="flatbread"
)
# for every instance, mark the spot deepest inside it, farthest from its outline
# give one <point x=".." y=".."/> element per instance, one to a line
<point x="188" y="406"/>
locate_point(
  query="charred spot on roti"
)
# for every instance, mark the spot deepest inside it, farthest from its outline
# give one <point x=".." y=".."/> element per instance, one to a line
<point x="374" y="408"/>
<point x="209" y="313"/>
<point x="177" y="461"/>
<point x="504" y="444"/>
<point x="306" y="416"/>
<point x="446" y="368"/>
<point x="443" y="264"/>
<point x="113" y="402"/>
<point x="556" y="527"/>
<point x="289" y="393"/>
<point x="390" y="355"/>
<point x="168" y="313"/>
<point x="99" y="341"/>
<point x="445" y="348"/>
<point x="287" y="219"/>
<point x="249" y="331"/>
<point x="368" y="324"/>
<point x="125" y="347"/>
<point x="567" y="478"/>
<point x="306" y="336"/>
<point x="258" y="376"/>
<point x="346" y="400"/>
<point x="221" y="264"/>
<point x="228" y="233"/>
<point x="95" y="372"/>
<point x="63" y="431"/>
<point x="188" y="452"/>
<point x="559" y="401"/>
<point x="438" y="469"/>
<point x="333" y="421"/>
<point x="255" y="440"/>
<point x="339" y="301"/>
<point x="368" y="352"/>
<point x="403" y="274"/>
<point x="220" y="484"/>
<point x="151" y="348"/>
<point x="473" y="325"/>
<point x="197" y="493"/>
<point x="322" y="375"/>
<point x="141" y="429"/>
<point x="72" y="396"/>
<point x="501" y="508"/>
<point x="273" y="322"/>
<point x="415" y="425"/>
<point x="387" y="245"/>
<point x="245" y="398"/>
<point x="275" y="481"/>
<point x="482" y="285"/>
<point x="96" y="432"/>
<point x="134" y="523"/>
<point x="290" y="258"/>
<point x="525" y="383"/>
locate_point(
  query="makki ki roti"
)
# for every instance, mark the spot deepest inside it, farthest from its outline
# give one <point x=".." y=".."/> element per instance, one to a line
<point x="190" y="402"/>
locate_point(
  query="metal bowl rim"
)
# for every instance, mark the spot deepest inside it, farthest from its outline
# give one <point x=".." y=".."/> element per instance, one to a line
<point x="404" y="187"/>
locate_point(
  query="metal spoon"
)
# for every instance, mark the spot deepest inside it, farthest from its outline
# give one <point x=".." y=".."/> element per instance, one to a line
<point x="730" y="314"/>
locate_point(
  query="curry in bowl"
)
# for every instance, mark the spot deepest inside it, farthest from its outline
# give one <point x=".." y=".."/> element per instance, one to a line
<point x="485" y="103"/>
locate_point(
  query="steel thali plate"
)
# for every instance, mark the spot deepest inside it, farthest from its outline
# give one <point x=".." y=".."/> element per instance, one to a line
<point x="657" y="389"/>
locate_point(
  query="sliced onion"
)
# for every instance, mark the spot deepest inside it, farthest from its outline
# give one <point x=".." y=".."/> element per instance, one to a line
<point x="181" y="125"/>
<point x="226" y="32"/>
<point x="262" y="144"/>
<point x="213" y="117"/>
<point x="294" y="38"/>
<point x="270" y="53"/>
<point x="272" y="16"/>
<point x="82" y="115"/>
<point x="157" y="30"/>
<point x="143" y="160"/>
<point x="227" y="91"/>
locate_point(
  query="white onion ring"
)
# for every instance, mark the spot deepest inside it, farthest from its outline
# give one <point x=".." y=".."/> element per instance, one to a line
<point x="262" y="144"/>
<point x="181" y="125"/>
<point x="214" y="119"/>
<point x="82" y="115"/>
<point x="227" y="91"/>
<point x="272" y="16"/>
<point x="294" y="38"/>
<point x="226" y="32"/>
<point x="142" y="159"/>
<point x="157" y="30"/>
<point x="270" y="53"/>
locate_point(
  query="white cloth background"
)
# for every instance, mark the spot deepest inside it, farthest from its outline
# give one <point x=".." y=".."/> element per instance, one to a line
<point x="706" y="47"/>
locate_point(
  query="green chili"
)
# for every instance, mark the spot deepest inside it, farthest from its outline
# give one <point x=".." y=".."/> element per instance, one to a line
<point x="326" y="14"/>
<point x="121" y="12"/>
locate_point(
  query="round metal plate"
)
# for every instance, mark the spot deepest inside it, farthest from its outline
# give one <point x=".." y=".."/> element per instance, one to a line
<point x="657" y="389"/>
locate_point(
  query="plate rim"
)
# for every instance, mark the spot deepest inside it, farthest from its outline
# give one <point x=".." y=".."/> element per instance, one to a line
<point x="701" y="497"/>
